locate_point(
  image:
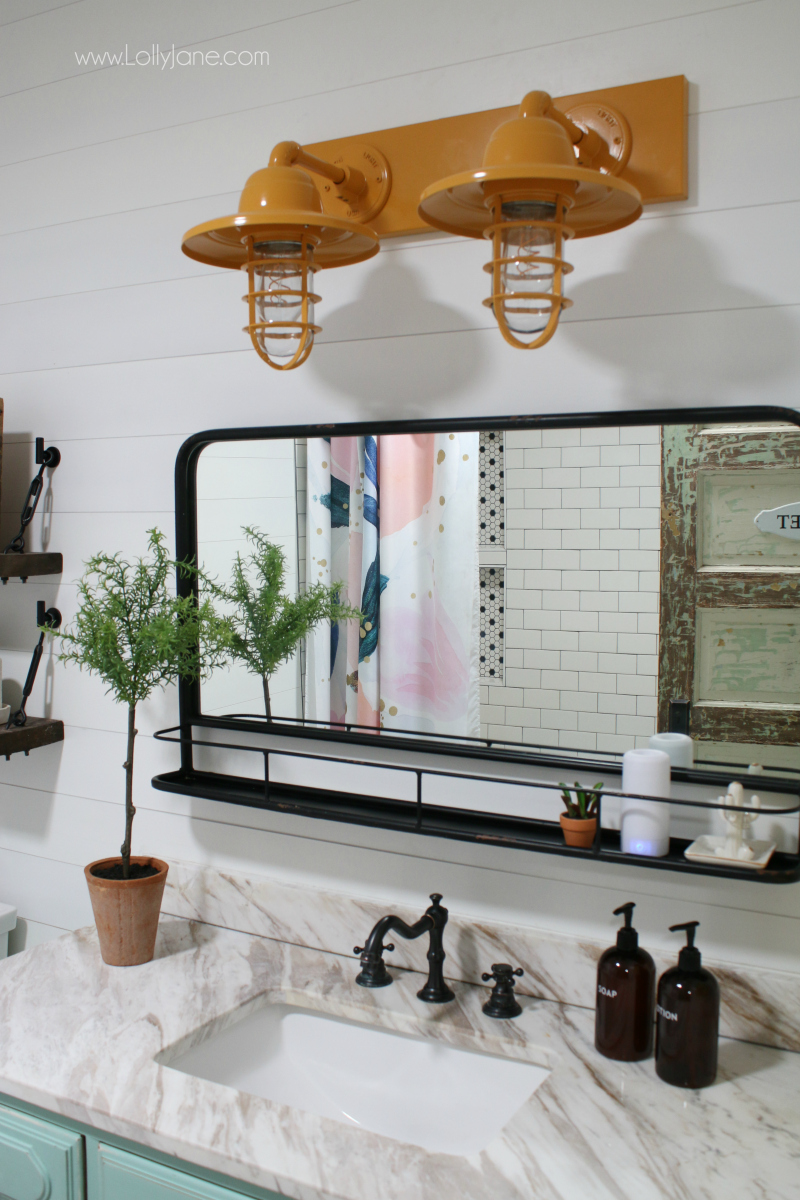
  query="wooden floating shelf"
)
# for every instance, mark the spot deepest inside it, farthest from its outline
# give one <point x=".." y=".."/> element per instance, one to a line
<point x="37" y="731"/>
<point x="21" y="566"/>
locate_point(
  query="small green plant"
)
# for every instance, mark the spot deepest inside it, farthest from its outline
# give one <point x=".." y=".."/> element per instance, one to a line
<point x="265" y="625"/>
<point x="584" y="804"/>
<point x="132" y="631"/>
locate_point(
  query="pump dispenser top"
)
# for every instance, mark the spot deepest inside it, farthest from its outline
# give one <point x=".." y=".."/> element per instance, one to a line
<point x="687" y="1021"/>
<point x="627" y="937"/>
<point x="626" y="979"/>
<point x="689" y="958"/>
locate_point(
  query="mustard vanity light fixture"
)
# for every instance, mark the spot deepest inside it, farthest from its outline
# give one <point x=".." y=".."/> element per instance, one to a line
<point x="281" y="236"/>
<point x="535" y="177"/>
<point x="550" y="170"/>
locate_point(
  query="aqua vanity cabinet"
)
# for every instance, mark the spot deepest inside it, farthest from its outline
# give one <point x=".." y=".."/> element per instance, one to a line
<point x="38" y="1159"/>
<point x="43" y="1157"/>
<point x="118" y="1175"/>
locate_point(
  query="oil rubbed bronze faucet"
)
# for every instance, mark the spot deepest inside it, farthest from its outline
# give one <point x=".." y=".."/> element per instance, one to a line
<point x="373" y="973"/>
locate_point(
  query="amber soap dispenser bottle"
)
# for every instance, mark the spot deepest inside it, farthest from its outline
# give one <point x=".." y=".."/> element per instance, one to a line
<point x="626" y="984"/>
<point x="687" y="1022"/>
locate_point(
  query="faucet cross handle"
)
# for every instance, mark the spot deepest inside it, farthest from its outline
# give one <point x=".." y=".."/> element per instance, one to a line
<point x="502" y="1003"/>
<point x="373" y="971"/>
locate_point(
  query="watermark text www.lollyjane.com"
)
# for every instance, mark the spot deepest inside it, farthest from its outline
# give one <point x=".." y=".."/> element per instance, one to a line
<point x="171" y="58"/>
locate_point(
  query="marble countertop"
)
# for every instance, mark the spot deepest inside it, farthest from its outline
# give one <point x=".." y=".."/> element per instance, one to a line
<point x="92" y="1043"/>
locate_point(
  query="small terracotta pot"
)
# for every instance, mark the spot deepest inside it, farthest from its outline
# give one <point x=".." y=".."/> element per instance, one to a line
<point x="126" y="911"/>
<point x="578" y="831"/>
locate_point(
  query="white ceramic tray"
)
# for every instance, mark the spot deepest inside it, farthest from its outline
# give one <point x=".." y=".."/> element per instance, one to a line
<point x="703" y="850"/>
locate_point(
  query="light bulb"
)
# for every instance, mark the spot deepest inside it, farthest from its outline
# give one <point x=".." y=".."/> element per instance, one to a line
<point x="284" y="304"/>
<point x="527" y="268"/>
<point x="527" y="252"/>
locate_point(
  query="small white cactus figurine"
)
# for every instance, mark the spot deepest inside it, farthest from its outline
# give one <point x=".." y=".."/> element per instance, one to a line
<point x="736" y="842"/>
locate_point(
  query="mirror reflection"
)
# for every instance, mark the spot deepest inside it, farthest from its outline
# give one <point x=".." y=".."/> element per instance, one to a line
<point x="574" y="588"/>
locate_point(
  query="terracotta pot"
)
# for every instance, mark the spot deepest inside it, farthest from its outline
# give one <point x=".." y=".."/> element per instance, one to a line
<point x="126" y="911"/>
<point x="578" y="831"/>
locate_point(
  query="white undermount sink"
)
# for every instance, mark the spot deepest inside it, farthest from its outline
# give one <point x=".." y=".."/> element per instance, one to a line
<point x="440" y="1097"/>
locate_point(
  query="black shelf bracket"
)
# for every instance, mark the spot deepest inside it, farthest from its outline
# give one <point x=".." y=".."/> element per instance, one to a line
<point x="47" y="619"/>
<point x="50" y="457"/>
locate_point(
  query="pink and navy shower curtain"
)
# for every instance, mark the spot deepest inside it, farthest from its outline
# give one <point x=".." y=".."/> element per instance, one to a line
<point x="394" y="521"/>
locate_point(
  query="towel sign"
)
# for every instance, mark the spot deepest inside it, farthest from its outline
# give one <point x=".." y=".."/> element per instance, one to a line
<point x="785" y="521"/>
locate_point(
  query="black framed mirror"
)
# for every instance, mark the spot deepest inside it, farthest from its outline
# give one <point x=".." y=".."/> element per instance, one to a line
<point x="539" y="591"/>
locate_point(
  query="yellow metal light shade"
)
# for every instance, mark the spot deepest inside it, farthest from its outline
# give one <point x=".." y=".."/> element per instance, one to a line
<point x="280" y="237"/>
<point x="530" y="183"/>
<point x="270" y="205"/>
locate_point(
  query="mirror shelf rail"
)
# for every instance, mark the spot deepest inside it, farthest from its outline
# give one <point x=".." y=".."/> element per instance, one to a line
<point x="424" y="818"/>
<point x="492" y="749"/>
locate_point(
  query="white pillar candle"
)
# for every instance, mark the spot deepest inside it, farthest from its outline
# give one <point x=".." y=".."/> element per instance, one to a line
<point x="678" y="746"/>
<point x="644" y="824"/>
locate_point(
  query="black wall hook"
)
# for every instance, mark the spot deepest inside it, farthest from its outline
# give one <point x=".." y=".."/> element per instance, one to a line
<point x="50" y="457"/>
<point x="47" y="618"/>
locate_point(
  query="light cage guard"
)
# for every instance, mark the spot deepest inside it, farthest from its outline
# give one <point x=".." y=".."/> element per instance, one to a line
<point x="501" y="301"/>
<point x="261" y="299"/>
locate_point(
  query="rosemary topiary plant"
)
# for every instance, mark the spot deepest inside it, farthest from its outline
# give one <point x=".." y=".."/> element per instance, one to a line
<point x="135" y="634"/>
<point x="265" y="624"/>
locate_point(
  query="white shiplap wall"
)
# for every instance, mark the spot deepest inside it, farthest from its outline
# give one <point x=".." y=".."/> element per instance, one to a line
<point x="116" y="347"/>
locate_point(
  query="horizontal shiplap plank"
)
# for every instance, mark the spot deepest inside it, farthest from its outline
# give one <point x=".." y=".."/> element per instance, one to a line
<point x="65" y="692"/>
<point x="101" y="475"/>
<point x="23" y="10"/>
<point x="733" y="357"/>
<point x="47" y="891"/>
<point x="154" y="321"/>
<point x="585" y="48"/>
<point x="119" y="250"/>
<point x="79" y="535"/>
<point x="216" y="155"/>
<point x="20" y="633"/>
<point x="697" y="256"/>
<point x="42" y="50"/>
<point x="695" y="260"/>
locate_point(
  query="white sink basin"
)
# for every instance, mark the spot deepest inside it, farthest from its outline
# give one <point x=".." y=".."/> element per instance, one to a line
<point x="439" y="1097"/>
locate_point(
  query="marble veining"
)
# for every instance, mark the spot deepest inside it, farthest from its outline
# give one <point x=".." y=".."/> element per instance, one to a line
<point x="757" y="1005"/>
<point x="94" y="1043"/>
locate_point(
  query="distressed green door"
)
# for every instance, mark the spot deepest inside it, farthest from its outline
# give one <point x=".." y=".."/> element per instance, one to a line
<point x="730" y="623"/>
